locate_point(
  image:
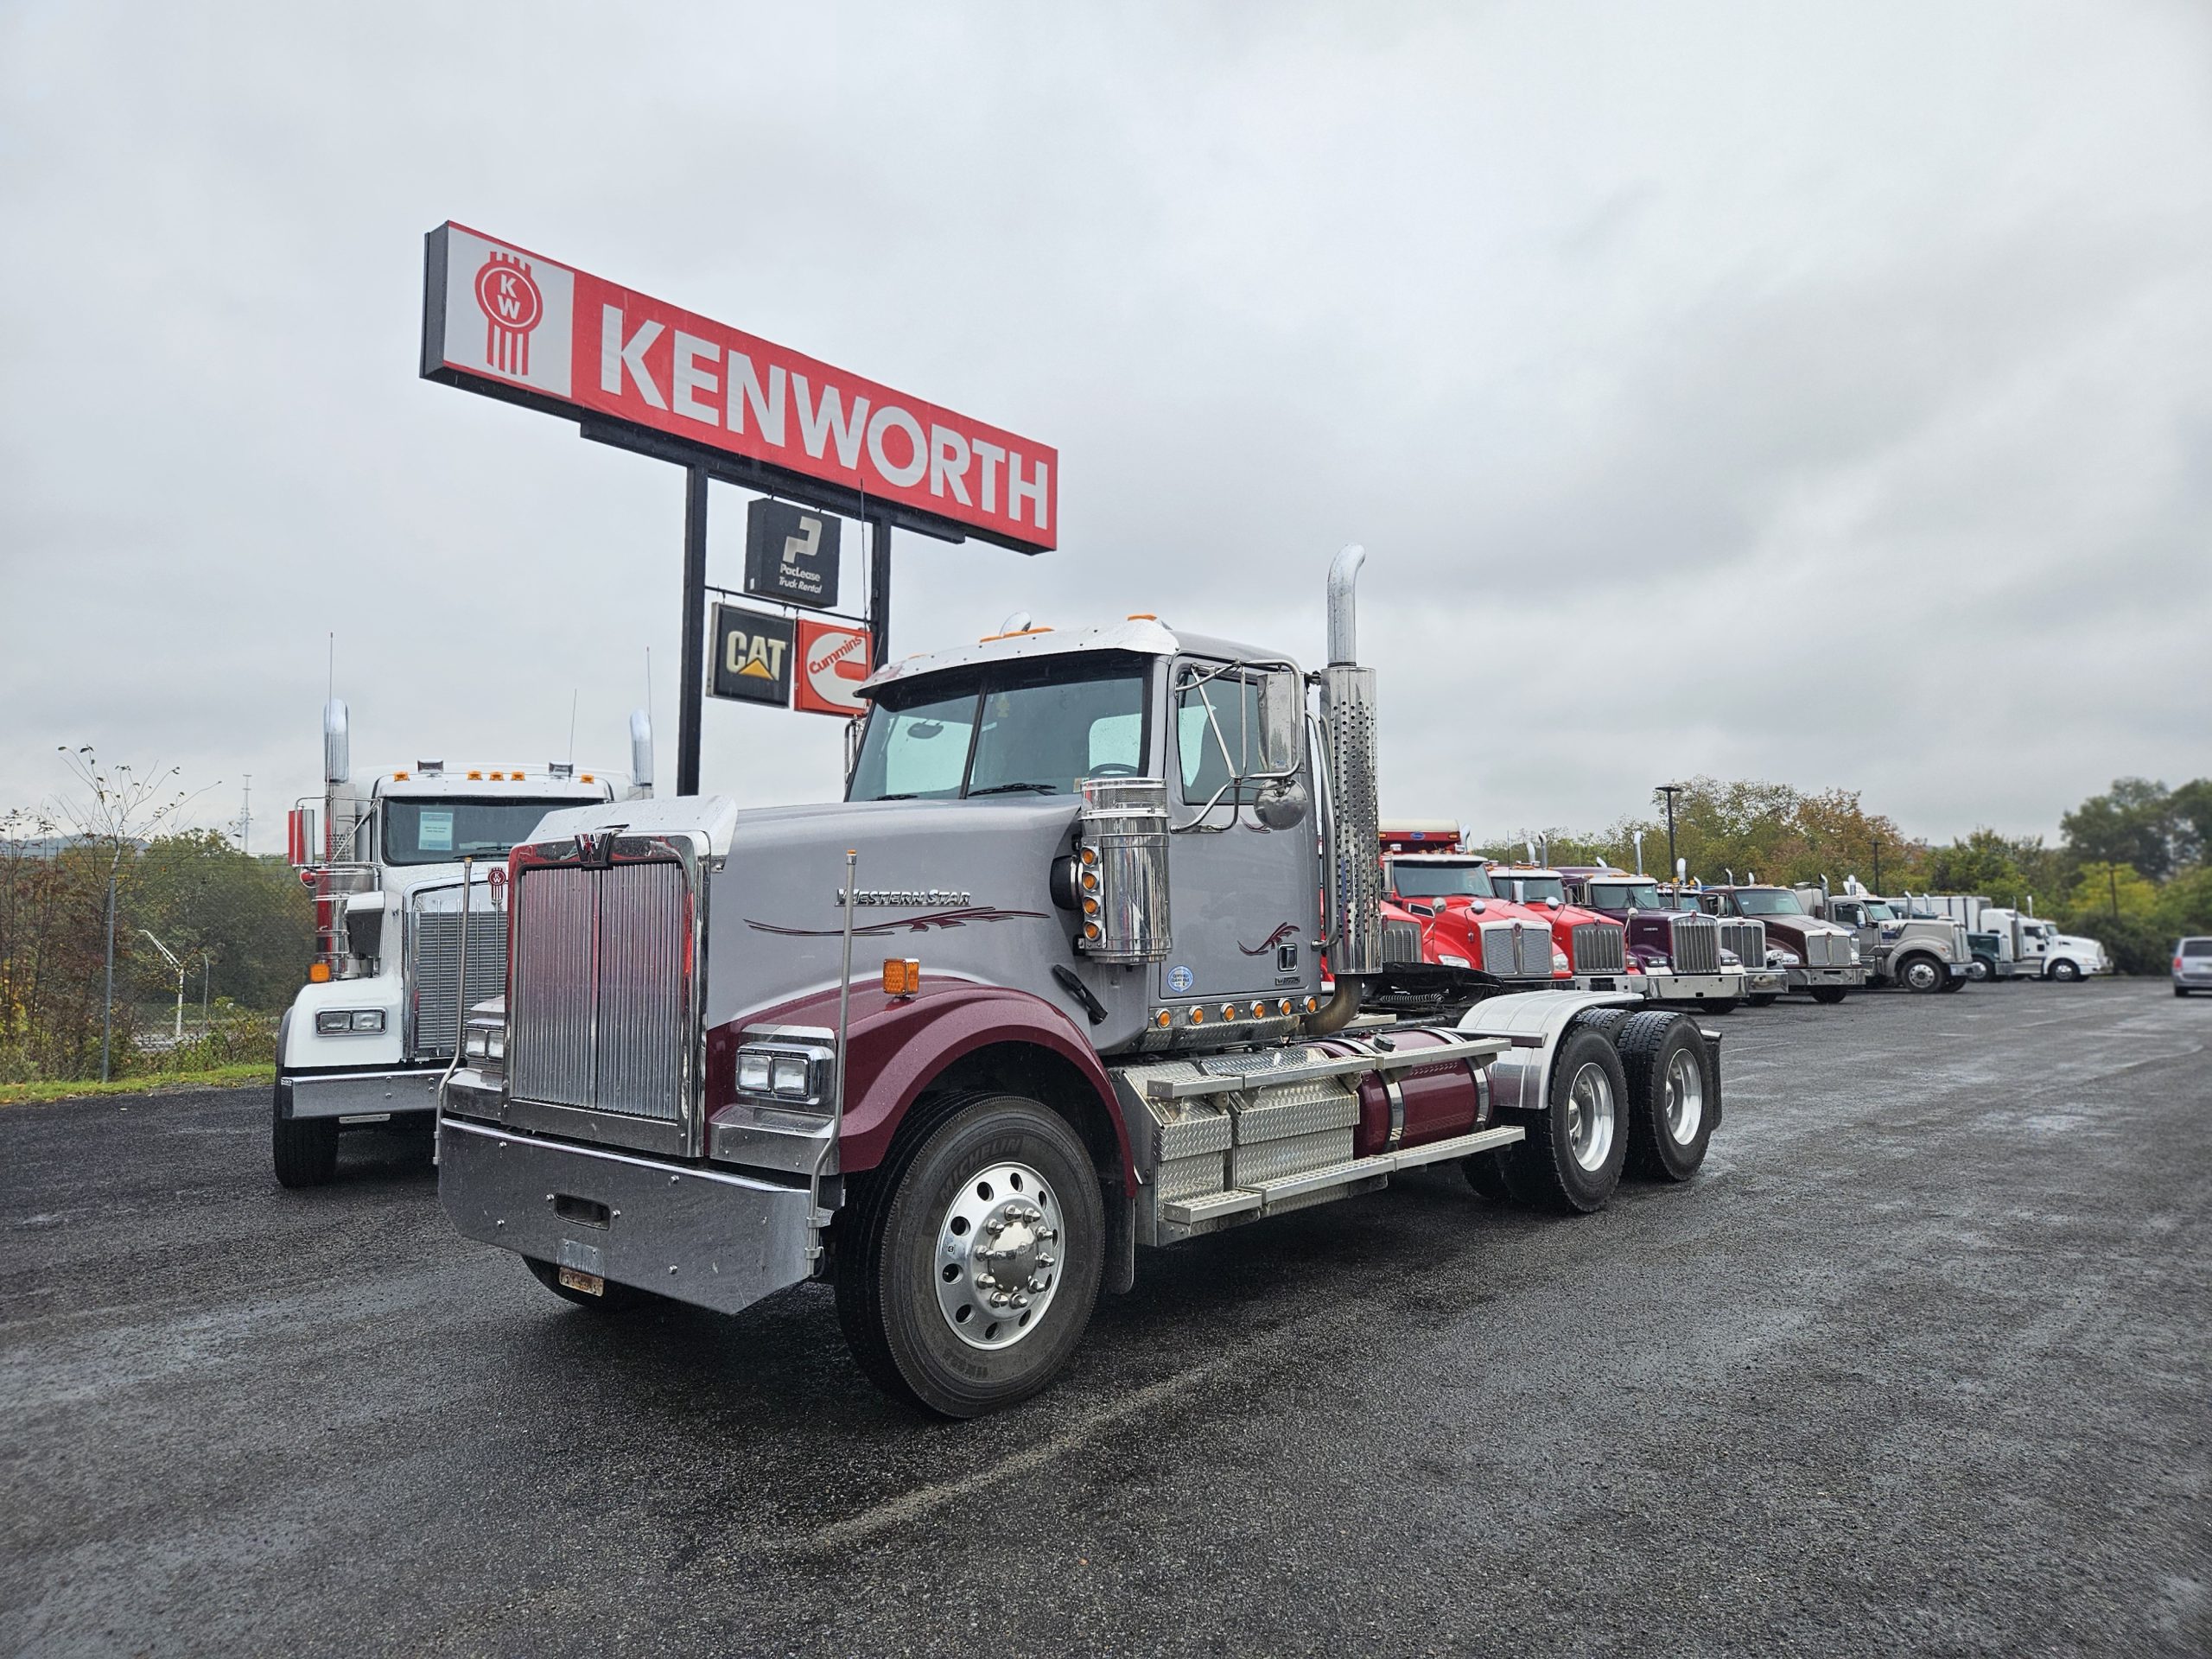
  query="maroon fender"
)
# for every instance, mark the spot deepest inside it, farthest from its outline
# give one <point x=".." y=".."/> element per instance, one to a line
<point x="900" y="1044"/>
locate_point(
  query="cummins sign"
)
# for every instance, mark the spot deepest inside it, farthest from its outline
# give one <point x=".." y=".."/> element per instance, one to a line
<point x="502" y="321"/>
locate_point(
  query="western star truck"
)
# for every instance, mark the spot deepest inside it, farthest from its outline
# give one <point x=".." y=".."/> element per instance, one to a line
<point x="2026" y="946"/>
<point x="1922" y="953"/>
<point x="373" y="1030"/>
<point x="1043" y="990"/>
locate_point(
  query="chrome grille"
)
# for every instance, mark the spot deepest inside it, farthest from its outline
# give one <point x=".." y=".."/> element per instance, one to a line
<point x="1694" y="944"/>
<point x="1400" y="941"/>
<point x="1534" y="949"/>
<point x="1601" y="948"/>
<point x="433" y="974"/>
<point x="1827" y="950"/>
<point x="596" y="1016"/>
<point x="1747" y="940"/>
<point x="1961" y="950"/>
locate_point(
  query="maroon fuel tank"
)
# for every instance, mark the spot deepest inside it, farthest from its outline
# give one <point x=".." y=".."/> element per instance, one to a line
<point x="1434" y="1102"/>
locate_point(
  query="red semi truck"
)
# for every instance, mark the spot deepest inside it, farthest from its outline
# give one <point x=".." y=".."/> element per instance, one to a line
<point x="1447" y="932"/>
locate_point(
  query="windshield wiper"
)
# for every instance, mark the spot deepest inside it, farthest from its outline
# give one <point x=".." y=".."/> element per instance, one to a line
<point x="1010" y="789"/>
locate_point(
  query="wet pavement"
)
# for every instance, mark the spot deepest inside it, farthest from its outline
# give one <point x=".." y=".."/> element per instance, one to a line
<point x="1918" y="1364"/>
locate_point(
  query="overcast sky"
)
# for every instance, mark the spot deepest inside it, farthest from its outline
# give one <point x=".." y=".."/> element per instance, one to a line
<point x="1821" y="395"/>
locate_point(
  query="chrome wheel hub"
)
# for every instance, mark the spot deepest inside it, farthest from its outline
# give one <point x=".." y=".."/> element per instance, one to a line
<point x="1590" y="1116"/>
<point x="1684" y="1103"/>
<point x="997" y="1263"/>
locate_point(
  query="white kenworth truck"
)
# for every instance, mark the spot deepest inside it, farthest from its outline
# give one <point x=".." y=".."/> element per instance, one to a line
<point x="1046" y="987"/>
<point x="373" y="1032"/>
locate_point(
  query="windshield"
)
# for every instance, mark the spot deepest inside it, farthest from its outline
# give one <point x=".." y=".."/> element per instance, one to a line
<point x="1879" y="912"/>
<point x="1012" y="733"/>
<point x="1440" y="881"/>
<point x="446" y="831"/>
<point x="1768" y="901"/>
<point x="1534" y="889"/>
<point x="1626" y="895"/>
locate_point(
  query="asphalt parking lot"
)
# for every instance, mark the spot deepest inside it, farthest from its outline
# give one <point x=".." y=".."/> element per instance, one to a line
<point x="1918" y="1364"/>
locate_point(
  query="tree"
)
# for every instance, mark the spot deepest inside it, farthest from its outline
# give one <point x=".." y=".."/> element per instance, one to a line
<point x="119" y="809"/>
<point x="2132" y="824"/>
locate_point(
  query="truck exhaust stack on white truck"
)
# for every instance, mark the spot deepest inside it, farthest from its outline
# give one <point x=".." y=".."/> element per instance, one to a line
<point x="1044" y="989"/>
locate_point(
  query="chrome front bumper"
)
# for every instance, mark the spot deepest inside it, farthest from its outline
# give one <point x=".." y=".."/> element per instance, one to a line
<point x="1806" y="979"/>
<point x="1766" y="982"/>
<point x="706" y="1236"/>
<point x="357" y="1094"/>
<point x="1694" y="987"/>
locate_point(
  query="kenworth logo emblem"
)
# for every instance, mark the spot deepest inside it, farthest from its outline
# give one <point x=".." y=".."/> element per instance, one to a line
<point x="513" y="306"/>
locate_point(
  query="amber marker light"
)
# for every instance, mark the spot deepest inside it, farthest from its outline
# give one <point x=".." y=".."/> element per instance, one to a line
<point x="319" y="973"/>
<point x="1229" y="1010"/>
<point x="1164" y="1018"/>
<point x="902" y="976"/>
<point x="476" y="774"/>
<point x="1313" y="1004"/>
<point x="1198" y="1016"/>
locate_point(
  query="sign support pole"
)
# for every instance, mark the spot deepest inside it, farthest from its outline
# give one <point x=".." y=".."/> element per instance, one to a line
<point x="692" y="679"/>
<point x="879" y="591"/>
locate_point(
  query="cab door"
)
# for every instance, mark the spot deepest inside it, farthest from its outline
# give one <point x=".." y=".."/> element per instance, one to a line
<point x="1245" y="898"/>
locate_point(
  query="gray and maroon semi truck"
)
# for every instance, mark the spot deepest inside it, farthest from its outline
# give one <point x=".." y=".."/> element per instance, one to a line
<point x="1044" y="991"/>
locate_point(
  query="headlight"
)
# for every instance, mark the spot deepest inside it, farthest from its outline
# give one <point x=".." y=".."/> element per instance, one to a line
<point x="1730" y="959"/>
<point x="1559" y="964"/>
<point x="1854" y="949"/>
<point x="1779" y="957"/>
<point x="1451" y="962"/>
<point x="796" y="1073"/>
<point x="1655" y="959"/>
<point x="336" y="1022"/>
<point x="484" y="1043"/>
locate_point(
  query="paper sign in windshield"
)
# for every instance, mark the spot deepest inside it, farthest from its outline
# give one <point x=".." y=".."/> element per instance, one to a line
<point x="434" y="834"/>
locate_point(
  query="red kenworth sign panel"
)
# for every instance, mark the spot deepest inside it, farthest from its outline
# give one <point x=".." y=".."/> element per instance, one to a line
<point x="501" y="319"/>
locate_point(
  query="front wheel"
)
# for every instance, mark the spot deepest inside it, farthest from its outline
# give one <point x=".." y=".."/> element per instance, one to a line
<point x="1575" y="1147"/>
<point x="1765" y="998"/>
<point x="1978" y="969"/>
<point x="2066" y="973"/>
<point x="1954" y="982"/>
<point x="1723" y="1005"/>
<point x="303" y="1149"/>
<point x="1921" y="975"/>
<point x="973" y="1261"/>
<point x="1829" y="996"/>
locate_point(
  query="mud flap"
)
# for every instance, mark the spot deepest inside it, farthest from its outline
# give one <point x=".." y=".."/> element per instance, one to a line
<point x="1118" y="1275"/>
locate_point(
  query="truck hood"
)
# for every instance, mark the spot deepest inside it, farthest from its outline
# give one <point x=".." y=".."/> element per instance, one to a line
<point x="964" y="887"/>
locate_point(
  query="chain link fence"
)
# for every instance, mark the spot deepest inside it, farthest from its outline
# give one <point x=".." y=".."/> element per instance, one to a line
<point x="208" y="946"/>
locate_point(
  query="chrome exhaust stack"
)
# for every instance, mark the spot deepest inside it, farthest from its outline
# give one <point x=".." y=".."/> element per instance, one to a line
<point x="1348" y="725"/>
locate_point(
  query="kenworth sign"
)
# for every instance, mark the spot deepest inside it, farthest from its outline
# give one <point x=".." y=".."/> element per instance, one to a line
<point x="512" y="324"/>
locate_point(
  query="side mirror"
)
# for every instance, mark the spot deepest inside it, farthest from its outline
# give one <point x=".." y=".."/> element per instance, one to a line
<point x="1282" y="724"/>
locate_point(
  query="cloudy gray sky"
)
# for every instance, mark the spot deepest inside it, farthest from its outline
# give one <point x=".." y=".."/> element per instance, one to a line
<point x="1813" y="394"/>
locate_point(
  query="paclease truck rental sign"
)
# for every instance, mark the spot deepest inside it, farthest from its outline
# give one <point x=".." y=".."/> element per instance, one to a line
<point x="501" y="319"/>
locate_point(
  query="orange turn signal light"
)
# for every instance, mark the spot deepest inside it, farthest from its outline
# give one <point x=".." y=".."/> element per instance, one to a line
<point x="901" y="977"/>
<point x="319" y="973"/>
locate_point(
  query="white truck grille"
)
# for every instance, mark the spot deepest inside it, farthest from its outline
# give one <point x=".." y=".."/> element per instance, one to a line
<point x="596" y="1014"/>
<point x="1601" y="948"/>
<point x="1695" y="944"/>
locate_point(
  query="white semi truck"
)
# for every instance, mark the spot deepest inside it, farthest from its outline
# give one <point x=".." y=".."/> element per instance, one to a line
<point x="373" y="1031"/>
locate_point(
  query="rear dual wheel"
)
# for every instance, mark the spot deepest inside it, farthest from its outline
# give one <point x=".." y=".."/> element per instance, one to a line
<point x="1571" y="1158"/>
<point x="1674" y="1102"/>
<point x="968" y="1265"/>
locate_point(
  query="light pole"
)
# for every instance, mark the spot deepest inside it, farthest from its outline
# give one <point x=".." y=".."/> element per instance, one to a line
<point x="1670" y="791"/>
<point x="171" y="956"/>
